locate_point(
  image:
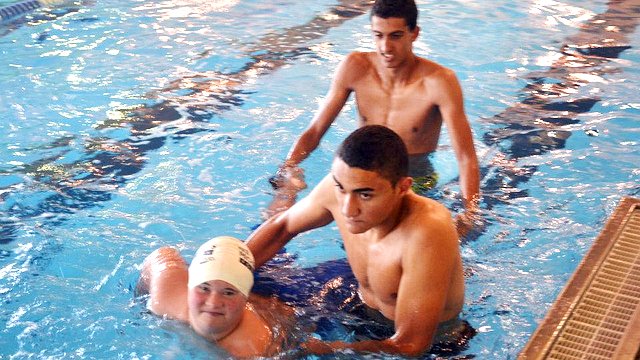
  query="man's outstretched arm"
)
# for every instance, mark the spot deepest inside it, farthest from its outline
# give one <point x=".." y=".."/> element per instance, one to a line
<point x="275" y="233"/>
<point x="289" y="179"/>
<point x="333" y="103"/>
<point x="451" y="107"/>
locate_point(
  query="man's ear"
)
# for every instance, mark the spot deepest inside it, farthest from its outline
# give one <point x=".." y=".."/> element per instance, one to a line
<point x="404" y="184"/>
<point x="416" y="32"/>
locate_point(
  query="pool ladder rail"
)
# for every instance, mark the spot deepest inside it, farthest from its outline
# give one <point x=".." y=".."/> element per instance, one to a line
<point x="13" y="11"/>
<point x="597" y="314"/>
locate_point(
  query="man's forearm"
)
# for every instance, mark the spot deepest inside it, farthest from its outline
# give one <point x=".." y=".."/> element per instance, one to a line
<point x="267" y="240"/>
<point x="470" y="184"/>
<point x="304" y="146"/>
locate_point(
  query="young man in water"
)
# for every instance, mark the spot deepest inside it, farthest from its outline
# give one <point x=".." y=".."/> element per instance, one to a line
<point x="396" y="88"/>
<point x="401" y="247"/>
<point x="212" y="295"/>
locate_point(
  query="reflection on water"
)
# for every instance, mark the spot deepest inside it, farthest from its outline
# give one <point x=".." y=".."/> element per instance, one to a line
<point x="107" y="163"/>
<point x="553" y="98"/>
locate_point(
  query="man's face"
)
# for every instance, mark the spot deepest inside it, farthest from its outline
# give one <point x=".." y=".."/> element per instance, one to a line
<point x="215" y="308"/>
<point x="366" y="199"/>
<point x="394" y="40"/>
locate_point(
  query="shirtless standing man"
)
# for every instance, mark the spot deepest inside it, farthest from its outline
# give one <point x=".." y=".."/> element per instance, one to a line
<point x="393" y="87"/>
<point x="402" y="248"/>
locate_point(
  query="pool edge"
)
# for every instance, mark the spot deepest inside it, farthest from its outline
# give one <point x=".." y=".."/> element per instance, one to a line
<point x="549" y="330"/>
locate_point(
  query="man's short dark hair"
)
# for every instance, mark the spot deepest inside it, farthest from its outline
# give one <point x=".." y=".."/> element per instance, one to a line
<point x="405" y="9"/>
<point x="376" y="148"/>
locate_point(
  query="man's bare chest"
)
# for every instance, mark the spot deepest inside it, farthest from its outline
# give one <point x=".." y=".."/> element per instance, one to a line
<point x="401" y="109"/>
<point x="377" y="268"/>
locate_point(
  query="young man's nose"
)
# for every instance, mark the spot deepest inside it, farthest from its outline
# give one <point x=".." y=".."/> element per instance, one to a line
<point x="385" y="45"/>
<point x="350" y="207"/>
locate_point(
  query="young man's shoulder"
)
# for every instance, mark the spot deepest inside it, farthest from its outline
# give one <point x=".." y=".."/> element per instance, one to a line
<point x="360" y="56"/>
<point x="433" y="70"/>
<point x="430" y="222"/>
<point x="425" y="209"/>
<point x="323" y="194"/>
<point x="358" y="61"/>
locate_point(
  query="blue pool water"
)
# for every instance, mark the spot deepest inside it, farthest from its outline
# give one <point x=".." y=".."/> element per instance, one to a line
<point x="131" y="125"/>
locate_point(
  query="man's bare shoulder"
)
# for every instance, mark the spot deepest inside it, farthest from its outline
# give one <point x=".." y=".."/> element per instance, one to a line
<point x="425" y="206"/>
<point x="432" y="71"/>
<point x="323" y="194"/>
<point x="360" y="58"/>
<point x="320" y="200"/>
<point x="355" y="66"/>
<point x="430" y="214"/>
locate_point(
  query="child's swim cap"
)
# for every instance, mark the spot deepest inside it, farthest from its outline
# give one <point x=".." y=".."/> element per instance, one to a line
<point x="223" y="258"/>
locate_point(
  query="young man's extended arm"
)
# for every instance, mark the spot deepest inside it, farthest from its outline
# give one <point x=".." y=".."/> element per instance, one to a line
<point x="450" y="103"/>
<point x="290" y="179"/>
<point x="427" y="271"/>
<point x="311" y="212"/>
<point x="332" y="105"/>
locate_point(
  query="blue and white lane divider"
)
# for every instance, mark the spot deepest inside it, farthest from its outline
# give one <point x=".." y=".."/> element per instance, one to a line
<point x="19" y="9"/>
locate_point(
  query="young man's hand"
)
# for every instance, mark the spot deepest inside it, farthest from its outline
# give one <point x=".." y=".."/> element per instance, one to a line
<point x="467" y="221"/>
<point x="287" y="183"/>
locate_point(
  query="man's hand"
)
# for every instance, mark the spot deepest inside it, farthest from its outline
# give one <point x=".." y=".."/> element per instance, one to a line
<point x="290" y="178"/>
<point x="287" y="183"/>
<point x="467" y="221"/>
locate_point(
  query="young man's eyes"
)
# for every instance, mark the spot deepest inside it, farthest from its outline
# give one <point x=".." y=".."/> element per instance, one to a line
<point x="394" y="36"/>
<point x="362" y="195"/>
<point x="365" y="196"/>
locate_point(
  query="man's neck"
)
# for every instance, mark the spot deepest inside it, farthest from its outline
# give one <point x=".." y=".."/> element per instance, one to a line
<point x="400" y="74"/>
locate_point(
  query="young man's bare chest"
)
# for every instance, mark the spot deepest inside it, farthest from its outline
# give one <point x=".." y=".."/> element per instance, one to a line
<point x="408" y="111"/>
<point x="377" y="268"/>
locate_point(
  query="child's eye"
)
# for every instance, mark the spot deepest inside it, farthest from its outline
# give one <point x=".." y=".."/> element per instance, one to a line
<point x="230" y="292"/>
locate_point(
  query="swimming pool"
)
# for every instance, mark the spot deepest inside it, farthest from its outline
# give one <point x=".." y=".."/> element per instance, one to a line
<point x="131" y="125"/>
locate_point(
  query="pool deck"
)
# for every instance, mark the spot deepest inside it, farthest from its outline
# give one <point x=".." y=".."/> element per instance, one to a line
<point x="597" y="314"/>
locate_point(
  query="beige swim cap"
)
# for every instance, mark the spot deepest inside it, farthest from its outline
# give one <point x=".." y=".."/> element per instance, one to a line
<point x="223" y="258"/>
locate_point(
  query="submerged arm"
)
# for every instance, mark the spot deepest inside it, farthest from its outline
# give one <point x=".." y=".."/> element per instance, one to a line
<point x="452" y="109"/>
<point x="290" y="179"/>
